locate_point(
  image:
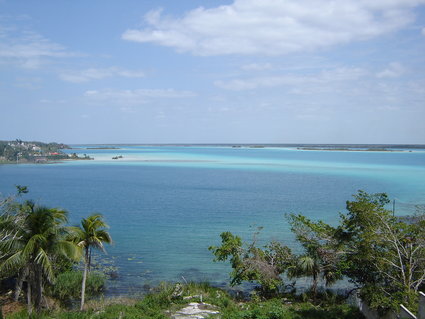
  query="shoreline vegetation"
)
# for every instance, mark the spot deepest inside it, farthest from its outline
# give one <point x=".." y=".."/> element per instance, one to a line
<point x="199" y="300"/>
<point x="33" y="152"/>
<point x="349" y="149"/>
<point x="382" y="255"/>
<point x="318" y="147"/>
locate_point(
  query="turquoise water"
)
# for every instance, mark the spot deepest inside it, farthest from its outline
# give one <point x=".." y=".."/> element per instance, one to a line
<point x="166" y="205"/>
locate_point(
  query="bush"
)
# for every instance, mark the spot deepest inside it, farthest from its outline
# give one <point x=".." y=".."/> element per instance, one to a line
<point x="67" y="287"/>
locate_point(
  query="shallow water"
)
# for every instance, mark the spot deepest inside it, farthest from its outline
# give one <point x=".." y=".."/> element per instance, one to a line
<point x="166" y="205"/>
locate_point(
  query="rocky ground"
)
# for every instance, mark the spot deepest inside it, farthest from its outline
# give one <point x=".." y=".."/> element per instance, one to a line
<point x="196" y="310"/>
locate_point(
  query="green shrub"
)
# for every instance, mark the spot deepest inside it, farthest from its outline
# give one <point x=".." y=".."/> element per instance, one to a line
<point x="68" y="285"/>
<point x="154" y="304"/>
<point x="275" y="309"/>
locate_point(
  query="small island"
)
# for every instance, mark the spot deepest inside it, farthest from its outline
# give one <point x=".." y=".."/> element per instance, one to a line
<point x="19" y="152"/>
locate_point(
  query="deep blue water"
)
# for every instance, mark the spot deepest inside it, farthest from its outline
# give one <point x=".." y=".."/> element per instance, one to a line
<point x="166" y="205"/>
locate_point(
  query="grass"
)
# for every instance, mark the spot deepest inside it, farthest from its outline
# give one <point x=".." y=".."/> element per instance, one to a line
<point x="168" y="298"/>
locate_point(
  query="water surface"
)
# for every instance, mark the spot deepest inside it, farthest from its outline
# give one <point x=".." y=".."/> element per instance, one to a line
<point x="166" y="205"/>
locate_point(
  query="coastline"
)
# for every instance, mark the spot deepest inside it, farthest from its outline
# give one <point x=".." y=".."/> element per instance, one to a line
<point x="353" y="150"/>
<point x="54" y="161"/>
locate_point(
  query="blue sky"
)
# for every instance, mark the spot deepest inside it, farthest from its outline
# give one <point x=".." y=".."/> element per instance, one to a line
<point x="190" y="71"/>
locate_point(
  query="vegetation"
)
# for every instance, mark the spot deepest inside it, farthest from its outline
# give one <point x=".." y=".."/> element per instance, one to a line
<point x="19" y="151"/>
<point x="34" y="238"/>
<point x="321" y="259"/>
<point x="39" y="252"/>
<point x="67" y="287"/>
<point x="166" y="299"/>
<point x="254" y="264"/>
<point x="383" y="256"/>
<point x="92" y="234"/>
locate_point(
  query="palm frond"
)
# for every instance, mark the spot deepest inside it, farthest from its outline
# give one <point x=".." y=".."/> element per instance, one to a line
<point x="93" y="233"/>
<point x="70" y="250"/>
<point x="12" y="263"/>
<point x="33" y="243"/>
<point x="43" y="260"/>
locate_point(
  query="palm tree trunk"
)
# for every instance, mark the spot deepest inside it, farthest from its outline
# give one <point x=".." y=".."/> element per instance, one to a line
<point x="18" y="287"/>
<point x="83" y="286"/>
<point x="314" y="286"/>
<point x="38" y="289"/>
<point x="29" y="305"/>
<point x="89" y="259"/>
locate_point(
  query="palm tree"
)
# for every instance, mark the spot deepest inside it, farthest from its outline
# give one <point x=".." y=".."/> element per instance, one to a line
<point x="308" y="266"/>
<point x="92" y="234"/>
<point x="32" y="238"/>
<point x="316" y="264"/>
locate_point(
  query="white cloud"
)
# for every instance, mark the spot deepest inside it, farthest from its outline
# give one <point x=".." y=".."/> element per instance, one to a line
<point x="394" y="70"/>
<point x="28" y="49"/>
<point x="423" y="31"/>
<point x="256" y="67"/>
<point x="97" y="74"/>
<point x="326" y="76"/>
<point x="50" y="101"/>
<point x="138" y="96"/>
<point x="274" y="27"/>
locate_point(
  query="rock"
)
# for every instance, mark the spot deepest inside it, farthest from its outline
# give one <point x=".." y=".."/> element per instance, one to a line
<point x="178" y="291"/>
<point x="191" y="297"/>
<point x="196" y="310"/>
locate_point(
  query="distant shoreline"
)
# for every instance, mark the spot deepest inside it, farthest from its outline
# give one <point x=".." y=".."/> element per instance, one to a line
<point x="50" y="161"/>
<point x="102" y="148"/>
<point x="362" y="147"/>
<point x="352" y="150"/>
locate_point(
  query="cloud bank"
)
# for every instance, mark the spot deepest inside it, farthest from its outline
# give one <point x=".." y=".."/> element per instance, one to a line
<point x="274" y="27"/>
<point x="28" y="49"/>
<point x="325" y="77"/>
<point x="133" y="97"/>
<point x="98" y="74"/>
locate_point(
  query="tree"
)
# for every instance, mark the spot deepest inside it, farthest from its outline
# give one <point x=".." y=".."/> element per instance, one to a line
<point x="92" y="234"/>
<point x="382" y="255"/>
<point x="385" y="254"/>
<point x="254" y="264"/>
<point x="322" y="258"/>
<point x="32" y="238"/>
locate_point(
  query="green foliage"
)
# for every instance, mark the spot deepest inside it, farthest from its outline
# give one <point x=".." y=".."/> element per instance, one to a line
<point x="67" y="286"/>
<point x="91" y="234"/>
<point x="276" y="309"/>
<point x="34" y="246"/>
<point x="109" y="312"/>
<point x="159" y="299"/>
<point x="250" y="263"/>
<point x="160" y="304"/>
<point x="385" y="254"/>
<point x="272" y="309"/>
<point x="33" y="240"/>
<point x="19" y="150"/>
<point x="322" y="251"/>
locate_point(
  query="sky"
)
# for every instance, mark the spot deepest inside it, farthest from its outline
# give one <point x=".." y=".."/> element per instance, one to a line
<point x="213" y="71"/>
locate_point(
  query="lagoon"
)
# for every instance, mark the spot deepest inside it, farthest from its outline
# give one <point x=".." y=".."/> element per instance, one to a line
<point x="167" y="204"/>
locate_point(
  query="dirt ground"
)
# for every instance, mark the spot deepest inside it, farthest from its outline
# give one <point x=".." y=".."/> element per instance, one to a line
<point x="8" y="306"/>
